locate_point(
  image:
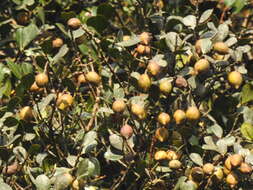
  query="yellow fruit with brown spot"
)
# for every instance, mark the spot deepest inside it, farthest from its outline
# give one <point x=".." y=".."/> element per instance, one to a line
<point x="221" y="48"/>
<point x="235" y="79"/>
<point x="139" y="111"/>
<point x="163" y="118"/>
<point x="145" y="38"/>
<point x="153" y="68"/>
<point x="162" y="134"/>
<point x="93" y="77"/>
<point x="74" y="23"/>
<point x="160" y="155"/>
<point x="64" y="101"/>
<point x="198" y="46"/>
<point x="144" y="82"/>
<point x="172" y="155"/>
<point x="35" y="88"/>
<point x="245" y="168"/>
<point x="57" y="43"/>
<point x="232" y="179"/>
<point x="81" y="79"/>
<point x="219" y="174"/>
<point x="236" y="160"/>
<point x="179" y="116"/>
<point x="41" y="79"/>
<point x="192" y="113"/>
<point x="202" y="66"/>
<point x="119" y="106"/>
<point x="165" y="87"/>
<point x="208" y="168"/>
<point x="26" y="113"/>
<point x="197" y="174"/>
<point x="175" y="164"/>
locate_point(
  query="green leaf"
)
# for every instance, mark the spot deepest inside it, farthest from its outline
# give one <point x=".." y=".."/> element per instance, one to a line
<point x="88" y="167"/>
<point x="247" y="115"/>
<point x="205" y="16"/>
<point x="173" y="40"/>
<point x="116" y="141"/>
<point x="190" y="21"/>
<point x="109" y="155"/>
<point x="61" y="53"/>
<point x="89" y="142"/>
<point x="206" y="45"/>
<point x="41" y="14"/>
<point x="4" y="186"/>
<point x="131" y="42"/>
<point x="239" y="4"/>
<point x="15" y="69"/>
<point x="217" y="130"/>
<point x="42" y="182"/>
<point x="99" y="23"/>
<point x="106" y="10"/>
<point x="247" y="131"/>
<point x="41" y="107"/>
<point x="24" y="85"/>
<point x="247" y="93"/>
<point x="25" y="35"/>
<point x="196" y="158"/>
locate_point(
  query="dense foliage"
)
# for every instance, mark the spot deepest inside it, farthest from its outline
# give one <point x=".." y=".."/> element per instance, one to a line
<point x="131" y="94"/>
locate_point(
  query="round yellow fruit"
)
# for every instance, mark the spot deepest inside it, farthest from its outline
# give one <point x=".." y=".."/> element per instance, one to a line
<point x="162" y="134"/>
<point x="175" y="164"/>
<point x="208" y="168"/>
<point x="153" y="68"/>
<point x="64" y="101"/>
<point x="192" y="113"/>
<point x="145" y="38"/>
<point x="74" y="23"/>
<point x="118" y="106"/>
<point x="160" y="155"/>
<point x="163" y="118"/>
<point x="26" y="113"/>
<point x="139" y="111"/>
<point x="144" y="82"/>
<point x="41" y="79"/>
<point x="57" y="43"/>
<point x="179" y="116"/>
<point x="221" y="48"/>
<point x="201" y="66"/>
<point x="232" y="179"/>
<point x="93" y="77"/>
<point x="165" y="87"/>
<point x="81" y="79"/>
<point x="235" y="79"/>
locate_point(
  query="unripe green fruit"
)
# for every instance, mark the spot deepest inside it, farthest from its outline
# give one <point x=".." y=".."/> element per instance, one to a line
<point x="165" y="87"/>
<point x="163" y="118"/>
<point x="26" y="113"/>
<point x="118" y="106"/>
<point x="235" y="79"/>
<point x="179" y="116"/>
<point x="221" y="48"/>
<point x="74" y="23"/>
<point x="41" y="79"/>
<point x="192" y="113"/>
<point x="201" y="66"/>
<point x="63" y="181"/>
<point x="144" y="82"/>
<point x="93" y="77"/>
